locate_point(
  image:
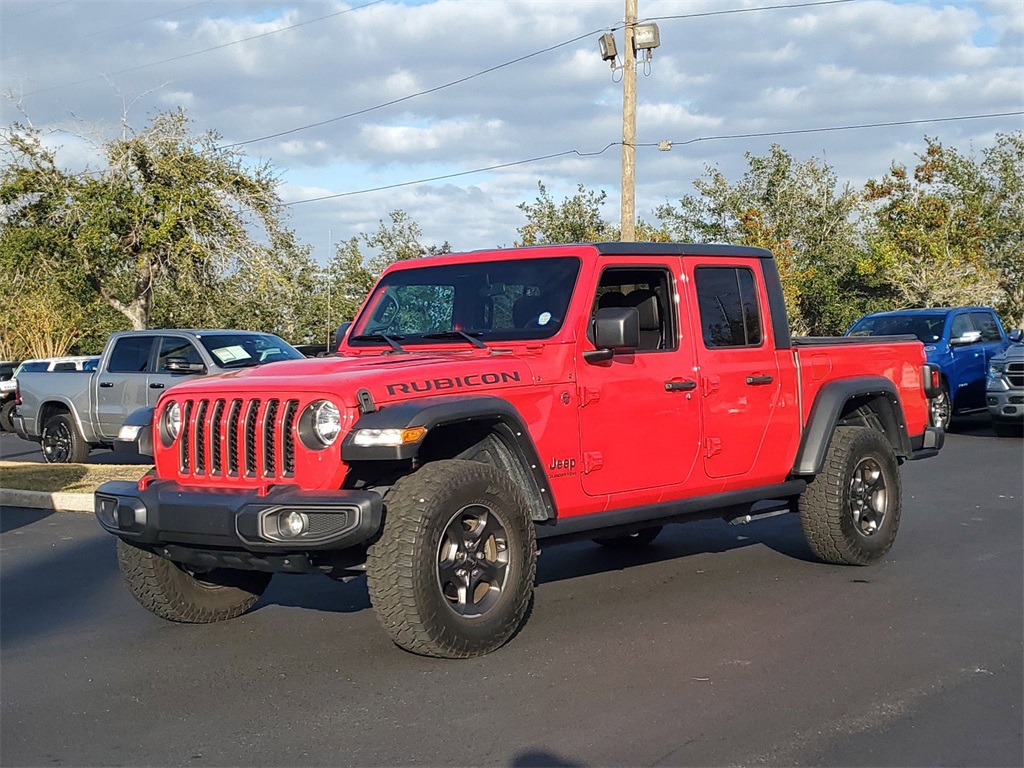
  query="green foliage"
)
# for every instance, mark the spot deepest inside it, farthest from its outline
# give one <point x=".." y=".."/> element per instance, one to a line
<point x="172" y="231"/>
<point x="352" y="274"/>
<point x="576" y="219"/>
<point x="797" y="211"/>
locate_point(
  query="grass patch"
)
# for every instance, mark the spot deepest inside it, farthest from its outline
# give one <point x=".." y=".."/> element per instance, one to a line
<point x="64" y="478"/>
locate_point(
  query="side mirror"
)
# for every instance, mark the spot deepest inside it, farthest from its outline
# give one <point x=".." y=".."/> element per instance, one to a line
<point x="616" y="329"/>
<point x="1016" y="335"/>
<point x="971" y="337"/>
<point x="181" y="365"/>
<point x="339" y="335"/>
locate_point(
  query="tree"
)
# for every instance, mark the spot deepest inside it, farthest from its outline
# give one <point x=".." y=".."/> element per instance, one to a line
<point x="576" y="219"/>
<point x="797" y="211"/>
<point x="929" y="230"/>
<point x="352" y="274"/>
<point x="953" y="231"/>
<point x="163" y="220"/>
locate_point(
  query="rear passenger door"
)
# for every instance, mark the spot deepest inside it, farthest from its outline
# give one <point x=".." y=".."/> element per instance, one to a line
<point x="739" y="374"/>
<point x="124" y="385"/>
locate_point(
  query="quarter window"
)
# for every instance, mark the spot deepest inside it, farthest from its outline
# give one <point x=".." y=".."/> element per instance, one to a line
<point x="729" y="311"/>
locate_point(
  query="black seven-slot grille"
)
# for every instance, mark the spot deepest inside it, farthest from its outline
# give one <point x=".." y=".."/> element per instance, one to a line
<point x="238" y="438"/>
<point x="1015" y="374"/>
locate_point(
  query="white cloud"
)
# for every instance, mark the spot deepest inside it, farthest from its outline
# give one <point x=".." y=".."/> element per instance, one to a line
<point x="774" y="70"/>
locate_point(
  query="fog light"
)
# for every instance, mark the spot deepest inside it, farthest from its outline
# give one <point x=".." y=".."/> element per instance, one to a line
<point x="293" y="524"/>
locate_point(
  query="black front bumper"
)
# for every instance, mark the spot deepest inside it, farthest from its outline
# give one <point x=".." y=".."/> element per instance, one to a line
<point x="166" y="513"/>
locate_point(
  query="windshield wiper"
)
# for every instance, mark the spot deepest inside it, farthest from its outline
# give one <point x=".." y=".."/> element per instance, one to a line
<point x="391" y="340"/>
<point x="471" y="337"/>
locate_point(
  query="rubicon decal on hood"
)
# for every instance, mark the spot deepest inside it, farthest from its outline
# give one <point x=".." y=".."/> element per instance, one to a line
<point x="453" y="382"/>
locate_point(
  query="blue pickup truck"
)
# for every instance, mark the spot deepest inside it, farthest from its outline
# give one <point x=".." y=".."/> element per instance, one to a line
<point x="960" y="341"/>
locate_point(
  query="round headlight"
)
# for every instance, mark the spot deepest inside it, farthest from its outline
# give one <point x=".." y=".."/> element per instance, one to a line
<point x="326" y="421"/>
<point x="172" y="421"/>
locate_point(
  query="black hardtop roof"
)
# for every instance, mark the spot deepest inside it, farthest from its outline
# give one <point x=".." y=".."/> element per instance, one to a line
<point x="634" y="249"/>
<point x="681" y="249"/>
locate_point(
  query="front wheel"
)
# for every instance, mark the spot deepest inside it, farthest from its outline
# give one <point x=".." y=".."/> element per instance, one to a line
<point x="850" y="512"/>
<point x="171" y="592"/>
<point x="62" y="443"/>
<point x="452" y="573"/>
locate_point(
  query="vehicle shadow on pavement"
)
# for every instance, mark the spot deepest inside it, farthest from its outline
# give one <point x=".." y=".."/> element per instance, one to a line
<point x="781" y="534"/>
<point x="570" y="561"/>
<point x="12" y="519"/>
<point x="55" y="592"/>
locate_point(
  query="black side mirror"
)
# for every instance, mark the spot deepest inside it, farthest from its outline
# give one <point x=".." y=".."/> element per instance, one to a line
<point x="616" y="329"/>
<point x="1016" y="335"/>
<point x="339" y="334"/>
<point x="181" y="365"/>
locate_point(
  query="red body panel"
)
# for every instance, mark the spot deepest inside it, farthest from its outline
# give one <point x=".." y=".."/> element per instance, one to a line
<point x="609" y="435"/>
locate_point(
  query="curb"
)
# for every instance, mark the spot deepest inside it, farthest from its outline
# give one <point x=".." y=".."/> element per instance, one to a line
<point x="58" y="502"/>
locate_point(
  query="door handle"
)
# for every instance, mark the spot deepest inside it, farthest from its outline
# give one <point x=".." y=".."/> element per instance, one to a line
<point x="756" y="381"/>
<point x="106" y="384"/>
<point x="156" y="385"/>
<point x="684" y="385"/>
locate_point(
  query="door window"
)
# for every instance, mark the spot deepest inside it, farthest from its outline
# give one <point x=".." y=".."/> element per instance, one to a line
<point x="986" y="323"/>
<point x="963" y="330"/>
<point x="172" y="347"/>
<point x="729" y="312"/>
<point x="648" y="291"/>
<point x="130" y="354"/>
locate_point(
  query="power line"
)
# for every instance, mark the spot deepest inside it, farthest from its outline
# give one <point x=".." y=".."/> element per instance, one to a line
<point x="837" y="128"/>
<point x="435" y="89"/>
<point x="654" y="144"/>
<point x="516" y="61"/>
<point x="38" y="9"/>
<point x="750" y="10"/>
<point x="206" y="50"/>
<point x="459" y="173"/>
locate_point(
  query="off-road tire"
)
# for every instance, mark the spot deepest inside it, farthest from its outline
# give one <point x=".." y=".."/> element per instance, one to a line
<point x="832" y="508"/>
<point x="7" y="416"/>
<point x="61" y="442"/>
<point x="165" y="589"/>
<point x="636" y="540"/>
<point x="409" y="568"/>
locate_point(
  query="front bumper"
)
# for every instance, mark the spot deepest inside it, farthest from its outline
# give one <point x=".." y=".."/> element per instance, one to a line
<point x="1007" y="405"/>
<point x="164" y="513"/>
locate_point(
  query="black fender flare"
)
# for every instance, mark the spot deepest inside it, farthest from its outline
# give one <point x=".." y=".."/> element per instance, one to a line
<point x="434" y="412"/>
<point x="827" y="410"/>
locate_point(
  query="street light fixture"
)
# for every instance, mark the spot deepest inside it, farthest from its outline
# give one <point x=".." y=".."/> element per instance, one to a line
<point x="607" y="45"/>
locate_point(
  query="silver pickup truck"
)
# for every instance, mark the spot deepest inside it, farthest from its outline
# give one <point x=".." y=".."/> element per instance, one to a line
<point x="75" y="412"/>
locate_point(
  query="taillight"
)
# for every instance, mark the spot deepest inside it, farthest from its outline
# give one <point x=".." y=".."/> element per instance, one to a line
<point x="17" y="394"/>
<point x="931" y="380"/>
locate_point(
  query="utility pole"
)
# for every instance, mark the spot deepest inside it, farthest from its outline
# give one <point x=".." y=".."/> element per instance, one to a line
<point x="628" y="223"/>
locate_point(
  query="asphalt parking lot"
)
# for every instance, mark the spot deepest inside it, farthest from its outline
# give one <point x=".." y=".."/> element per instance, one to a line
<point x="717" y="645"/>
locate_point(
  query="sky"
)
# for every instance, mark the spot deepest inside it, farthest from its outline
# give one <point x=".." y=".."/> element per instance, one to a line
<point x="344" y="99"/>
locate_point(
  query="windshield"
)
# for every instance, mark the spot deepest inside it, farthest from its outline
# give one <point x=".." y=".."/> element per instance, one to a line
<point x="927" y="328"/>
<point x="241" y="350"/>
<point x="489" y="301"/>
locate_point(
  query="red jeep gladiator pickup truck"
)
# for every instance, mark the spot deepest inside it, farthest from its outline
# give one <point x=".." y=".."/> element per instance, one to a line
<point x="481" y="402"/>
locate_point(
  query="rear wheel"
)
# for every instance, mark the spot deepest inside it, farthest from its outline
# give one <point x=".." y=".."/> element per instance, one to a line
<point x="940" y="409"/>
<point x="6" y="416"/>
<point x="850" y="512"/>
<point x="452" y="573"/>
<point x="62" y="443"/>
<point x="171" y="592"/>
<point x="634" y="540"/>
